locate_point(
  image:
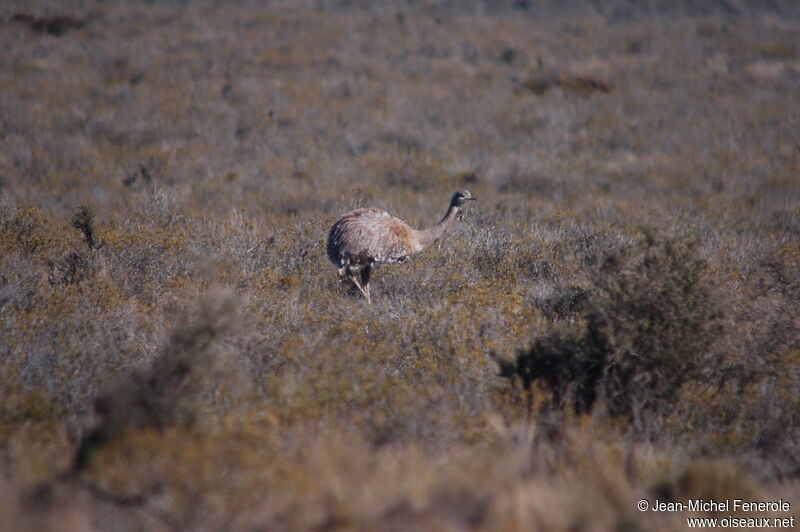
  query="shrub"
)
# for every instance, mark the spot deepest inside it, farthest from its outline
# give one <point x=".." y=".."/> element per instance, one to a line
<point x="83" y="221"/>
<point x="648" y="327"/>
<point x="559" y="361"/>
<point x="652" y="324"/>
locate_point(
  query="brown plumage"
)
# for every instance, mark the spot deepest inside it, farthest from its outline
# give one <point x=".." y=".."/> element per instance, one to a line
<point x="363" y="238"/>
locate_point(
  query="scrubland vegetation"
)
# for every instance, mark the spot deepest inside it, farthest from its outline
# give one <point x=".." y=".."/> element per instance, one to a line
<point x="617" y="318"/>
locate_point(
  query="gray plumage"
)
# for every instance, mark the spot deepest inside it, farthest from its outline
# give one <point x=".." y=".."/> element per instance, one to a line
<point x="363" y="238"/>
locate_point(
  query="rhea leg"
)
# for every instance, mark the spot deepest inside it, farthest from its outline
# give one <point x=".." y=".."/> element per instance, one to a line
<point x="352" y="276"/>
<point x="365" y="272"/>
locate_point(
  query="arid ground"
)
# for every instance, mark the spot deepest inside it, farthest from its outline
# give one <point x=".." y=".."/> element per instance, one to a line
<point x="616" y="319"/>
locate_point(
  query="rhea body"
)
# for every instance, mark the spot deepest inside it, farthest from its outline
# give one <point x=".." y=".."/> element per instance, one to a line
<point x="364" y="238"/>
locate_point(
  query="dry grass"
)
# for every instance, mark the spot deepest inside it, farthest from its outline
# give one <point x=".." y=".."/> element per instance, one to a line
<point x="153" y="153"/>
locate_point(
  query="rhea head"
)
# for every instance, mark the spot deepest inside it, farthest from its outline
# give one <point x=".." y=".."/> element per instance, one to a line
<point x="461" y="197"/>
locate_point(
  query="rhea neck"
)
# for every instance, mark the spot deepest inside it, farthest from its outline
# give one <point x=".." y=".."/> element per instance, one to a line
<point x="431" y="234"/>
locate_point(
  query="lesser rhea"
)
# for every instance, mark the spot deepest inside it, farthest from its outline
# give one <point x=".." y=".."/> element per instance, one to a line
<point x="365" y="237"/>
